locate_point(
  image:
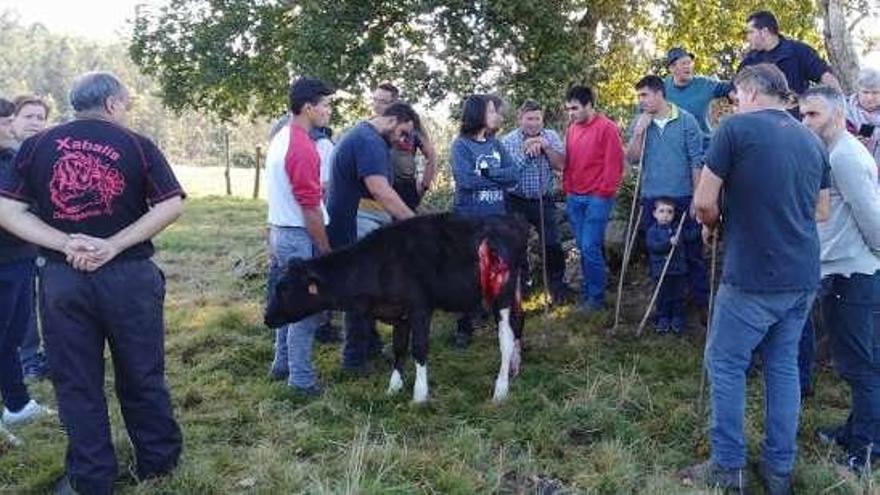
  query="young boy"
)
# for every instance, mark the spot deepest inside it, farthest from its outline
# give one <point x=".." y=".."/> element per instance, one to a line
<point x="660" y="239"/>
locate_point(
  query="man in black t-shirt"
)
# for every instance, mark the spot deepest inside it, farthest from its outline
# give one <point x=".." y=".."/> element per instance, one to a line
<point x="800" y="63"/>
<point x="100" y="192"/>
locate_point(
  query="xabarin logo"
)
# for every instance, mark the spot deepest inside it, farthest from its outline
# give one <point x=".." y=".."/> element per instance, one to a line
<point x="83" y="185"/>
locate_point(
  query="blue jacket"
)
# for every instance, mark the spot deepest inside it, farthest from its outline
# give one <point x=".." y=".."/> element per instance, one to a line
<point x="671" y="156"/>
<point x="483" y="171"/>
<point x="657" y="238"/>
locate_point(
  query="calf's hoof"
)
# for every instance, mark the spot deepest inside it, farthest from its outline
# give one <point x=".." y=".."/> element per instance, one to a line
<point x="500" y="392"/>
<point x="395" y="384"/>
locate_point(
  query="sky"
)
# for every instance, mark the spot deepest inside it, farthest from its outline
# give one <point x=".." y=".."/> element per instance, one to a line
<point x="98" y="20"/>
<point x="106" y="20"/>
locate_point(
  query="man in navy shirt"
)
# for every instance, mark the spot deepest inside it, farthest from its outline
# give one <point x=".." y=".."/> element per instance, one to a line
<point x="362" y="170"/>
<point x="798" y="61"/>
<point x="99" y="193"/>
<point x="774" y="172"/>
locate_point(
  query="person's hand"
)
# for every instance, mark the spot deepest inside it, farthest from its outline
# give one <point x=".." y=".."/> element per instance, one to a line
<point x="534" y="146"/>
<point x="422" y="187"/>
<point x="79" y="252"/>
<point x="673" y="240"/>
<point x="642" y="123"/>
<point x="90" y="253"/>
<point x="708" y="235"/>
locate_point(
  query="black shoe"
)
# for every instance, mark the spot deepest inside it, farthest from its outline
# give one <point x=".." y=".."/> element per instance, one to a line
<point x="328" y="334"/>
<point x="855" y="464"/>
<point x="37" y="370"/>
<point x="63" y="487"/>
<point x="775" y="484"/>
<point x="308" y="392"/>
<point x="832" y="435"/>
<point x="461" y="339"/>
<point x="710" y="475"/>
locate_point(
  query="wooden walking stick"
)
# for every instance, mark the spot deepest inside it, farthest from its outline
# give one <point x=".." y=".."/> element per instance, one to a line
<point x="713" y="265"/>
<point x="631" y="234"/>
<point x="684" y="215"/>
<point x="543" y="241"/>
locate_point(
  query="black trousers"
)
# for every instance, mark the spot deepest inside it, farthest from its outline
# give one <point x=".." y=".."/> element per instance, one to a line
<point x="530" y="209"/>
<point x="120" y="304"/>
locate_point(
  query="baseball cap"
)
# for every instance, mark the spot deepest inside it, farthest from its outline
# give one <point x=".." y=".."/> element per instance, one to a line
<point x="676" y="53"/>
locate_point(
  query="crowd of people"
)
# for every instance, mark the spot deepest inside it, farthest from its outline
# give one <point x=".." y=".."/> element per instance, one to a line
<point x="796" y="204"/>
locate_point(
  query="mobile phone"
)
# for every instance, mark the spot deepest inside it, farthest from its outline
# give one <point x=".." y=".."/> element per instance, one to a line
<point x="866" y="130"/>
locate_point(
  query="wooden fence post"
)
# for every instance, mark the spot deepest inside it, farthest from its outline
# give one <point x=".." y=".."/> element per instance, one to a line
<point x="257" y="173"/>
<point x="228" y="172"/>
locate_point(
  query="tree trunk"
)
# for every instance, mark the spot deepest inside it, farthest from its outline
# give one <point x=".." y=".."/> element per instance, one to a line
<point x="257" y="173"/>
<point x="839" y="44"/>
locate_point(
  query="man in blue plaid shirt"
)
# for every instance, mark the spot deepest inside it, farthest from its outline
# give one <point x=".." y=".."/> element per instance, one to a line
<point x="539" y="151"/>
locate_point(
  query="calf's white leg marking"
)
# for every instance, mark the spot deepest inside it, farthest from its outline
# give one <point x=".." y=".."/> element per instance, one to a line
<point x="420" y="389"/>
<point x="506" y="344"/>
<point x="395" y="383"/>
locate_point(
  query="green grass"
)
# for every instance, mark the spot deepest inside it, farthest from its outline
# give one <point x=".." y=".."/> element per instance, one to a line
<point x="590" y="413"/>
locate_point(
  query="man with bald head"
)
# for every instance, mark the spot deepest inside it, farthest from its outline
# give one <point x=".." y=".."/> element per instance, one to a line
<point x="91" y="194"/>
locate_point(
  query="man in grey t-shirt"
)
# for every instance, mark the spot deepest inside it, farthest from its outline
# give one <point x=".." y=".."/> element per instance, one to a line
<point x="851" y="274"/>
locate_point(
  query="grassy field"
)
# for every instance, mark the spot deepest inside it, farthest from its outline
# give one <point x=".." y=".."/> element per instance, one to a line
<point x="590" y="413"/>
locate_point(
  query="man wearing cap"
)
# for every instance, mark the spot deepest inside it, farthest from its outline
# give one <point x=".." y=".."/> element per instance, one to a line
<point x="296" y="221"/>
<point x="690" y="92"/>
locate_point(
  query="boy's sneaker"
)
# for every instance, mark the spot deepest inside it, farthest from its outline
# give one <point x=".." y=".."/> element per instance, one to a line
<point x="30" y="412"/>
<point x="678" y="325"/>
<point x="662" y="326"/>
<point x="711" y="475"/>
<point x="774" y="484"/>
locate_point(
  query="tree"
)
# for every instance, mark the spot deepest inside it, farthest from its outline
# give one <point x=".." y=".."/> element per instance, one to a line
<point x="236" y="56"/>
<point x="841" y="18"/>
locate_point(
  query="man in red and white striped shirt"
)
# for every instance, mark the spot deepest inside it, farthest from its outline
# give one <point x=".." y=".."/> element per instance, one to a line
<point x="297" y="219"/>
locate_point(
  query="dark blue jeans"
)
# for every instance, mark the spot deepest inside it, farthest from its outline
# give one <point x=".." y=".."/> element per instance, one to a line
<point x="850" y="310"/>
<point x="807" y="354"/>
<point x="693" y="245"/>
<point x="741" y="323"/>
<point x="361" y="336"/>
<point x="293" y="342"/>
<point x="16" y="307"/>
<point x="589" y="217"/>
<point x="120" y="305"/>
<point x="29" y="352"/>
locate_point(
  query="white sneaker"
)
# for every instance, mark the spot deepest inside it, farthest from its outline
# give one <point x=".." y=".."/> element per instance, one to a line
<point x="30" y="412"/>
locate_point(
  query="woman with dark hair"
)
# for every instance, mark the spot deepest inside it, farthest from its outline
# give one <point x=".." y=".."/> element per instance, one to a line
<point x="16" y="298"/>
<point x="483" y="171"/>
<point x="481" y="166"/>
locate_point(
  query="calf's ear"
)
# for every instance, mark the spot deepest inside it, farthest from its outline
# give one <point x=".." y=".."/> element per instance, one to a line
<point x="315" y="281"/>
